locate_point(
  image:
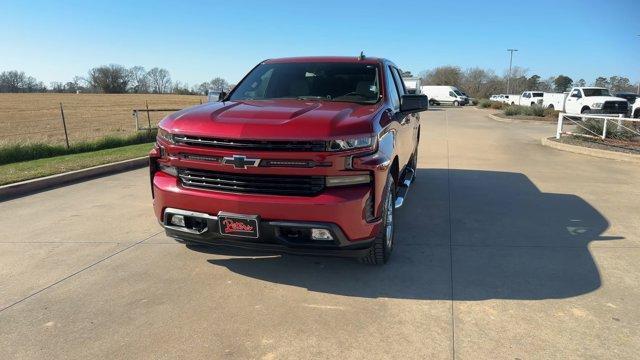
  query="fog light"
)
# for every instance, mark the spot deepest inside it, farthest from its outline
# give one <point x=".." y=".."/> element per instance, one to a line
<point x="177" y="220"/>
<point x="321" y="234"/>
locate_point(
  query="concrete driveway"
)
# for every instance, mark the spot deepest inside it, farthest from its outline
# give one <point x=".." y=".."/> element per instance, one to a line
<point x="506" y="249"/>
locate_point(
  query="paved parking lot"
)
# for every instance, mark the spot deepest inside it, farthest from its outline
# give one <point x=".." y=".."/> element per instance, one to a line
<point x="506" y="249"/>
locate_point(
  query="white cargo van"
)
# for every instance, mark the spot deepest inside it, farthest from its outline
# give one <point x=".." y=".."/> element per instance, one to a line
<point x="444" y="94"/>
<point x="412" y="84"/>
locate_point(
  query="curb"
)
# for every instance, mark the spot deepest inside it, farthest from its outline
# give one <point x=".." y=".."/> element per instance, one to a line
<point x="606" y="154"/>
<point x="28" y="187"/>
<point x="518" y="121"/>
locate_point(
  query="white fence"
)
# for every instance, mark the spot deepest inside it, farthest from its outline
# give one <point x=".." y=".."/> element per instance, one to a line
<point x="578" y="120"/>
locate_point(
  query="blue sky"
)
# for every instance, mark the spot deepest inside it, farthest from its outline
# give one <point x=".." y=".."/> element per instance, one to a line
<point x="197" y="40"/>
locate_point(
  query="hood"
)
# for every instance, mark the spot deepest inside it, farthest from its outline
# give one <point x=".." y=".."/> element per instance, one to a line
<point x="601" y="99"/>
<point x="282" y="119"/>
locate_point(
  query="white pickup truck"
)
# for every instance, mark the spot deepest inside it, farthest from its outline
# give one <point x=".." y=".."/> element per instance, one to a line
<point x="531" y="98"/>
<point x="586" y="100"/>
<point x="592" y="100"/>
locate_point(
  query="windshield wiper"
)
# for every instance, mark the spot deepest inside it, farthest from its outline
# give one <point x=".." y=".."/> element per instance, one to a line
<point x="311" y="97"/>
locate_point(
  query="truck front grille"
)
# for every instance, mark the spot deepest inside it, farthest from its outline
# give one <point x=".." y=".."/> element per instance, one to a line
<point x="615" y="107"/>
<point x="251" y="183"/>
<point x="267" y="145"/>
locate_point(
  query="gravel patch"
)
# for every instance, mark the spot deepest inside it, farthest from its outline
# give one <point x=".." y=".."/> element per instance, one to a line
<point x="611" y="145"/>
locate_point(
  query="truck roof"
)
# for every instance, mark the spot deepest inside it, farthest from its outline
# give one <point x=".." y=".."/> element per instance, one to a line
<point x="338" y="59"/>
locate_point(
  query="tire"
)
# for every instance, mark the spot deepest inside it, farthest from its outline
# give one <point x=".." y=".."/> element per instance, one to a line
<point x="636" y="114"/>
<point x="585" y="110"/>
<point x="382" y="246"/>
<point x="456" y="103"/>
<point x="431" y="102"/>
<point x="533" y="104"/>
<point x="550" y="107"/>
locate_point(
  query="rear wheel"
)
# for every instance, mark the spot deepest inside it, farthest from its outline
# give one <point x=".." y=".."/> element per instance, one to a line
<point x="550" y="107"/>
<point x="636" y="114"/>
<point x="382" y="246"/>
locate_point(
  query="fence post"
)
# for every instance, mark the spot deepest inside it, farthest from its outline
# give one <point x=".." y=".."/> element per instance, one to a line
<point x="148" y="120"/>
<point x="559" y="128"/>
<point x="64" y="125"/>
<point x="604" y="129"/>
<point x="135" y="115"/>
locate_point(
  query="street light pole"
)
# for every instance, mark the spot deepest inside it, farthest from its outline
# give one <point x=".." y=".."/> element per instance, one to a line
<point x="510" y="63"/>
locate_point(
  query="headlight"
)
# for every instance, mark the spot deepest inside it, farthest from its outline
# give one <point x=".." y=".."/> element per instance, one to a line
<point x="168" y="169"/>
<point x="164" y="134"/>
<point x="347" y="180"/>
<point x="597" y="106"/>
<point x="348" y="144"/>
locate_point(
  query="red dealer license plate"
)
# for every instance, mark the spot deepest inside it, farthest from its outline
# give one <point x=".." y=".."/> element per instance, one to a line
<point x="238" y="225"/>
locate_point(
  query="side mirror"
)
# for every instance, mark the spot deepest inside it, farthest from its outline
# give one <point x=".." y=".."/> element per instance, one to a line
<point x="223" y="94"/>
<point x="414" y="103"/>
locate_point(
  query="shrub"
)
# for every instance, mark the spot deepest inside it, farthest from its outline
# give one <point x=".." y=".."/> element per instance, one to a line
<point x="497" y="105"/>
<point x="24" y="152"/>
<point x="484" y="103"/>
<point x="594" y="127"/>
<point x="512" y="110"/>
<point x="551" y="112"/>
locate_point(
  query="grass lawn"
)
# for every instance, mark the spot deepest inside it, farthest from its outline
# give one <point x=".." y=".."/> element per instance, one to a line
<point x="26" y="170"/>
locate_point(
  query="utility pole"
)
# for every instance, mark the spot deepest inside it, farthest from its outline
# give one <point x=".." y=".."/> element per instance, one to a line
<point x="510" y="63"/>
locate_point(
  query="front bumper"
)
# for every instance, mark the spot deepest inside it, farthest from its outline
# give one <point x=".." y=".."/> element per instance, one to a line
<point x="274" y="237"/>
<point x="341" y="210"/>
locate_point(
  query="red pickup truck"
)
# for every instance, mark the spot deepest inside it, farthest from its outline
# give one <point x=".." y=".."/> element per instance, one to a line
<point x="307" y="155"/>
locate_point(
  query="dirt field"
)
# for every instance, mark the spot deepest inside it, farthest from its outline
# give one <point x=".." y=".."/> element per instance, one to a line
<point x="36" y="117"/>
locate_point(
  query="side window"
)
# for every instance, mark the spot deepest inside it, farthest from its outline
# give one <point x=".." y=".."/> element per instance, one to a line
<point x="392" y="89"/>
<point x="576" y="94"/>
<point x="452" y="94"/>
<point x="397" y="76"/>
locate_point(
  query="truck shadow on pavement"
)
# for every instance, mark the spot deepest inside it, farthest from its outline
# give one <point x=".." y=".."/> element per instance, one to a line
<point x="462" y="235"/>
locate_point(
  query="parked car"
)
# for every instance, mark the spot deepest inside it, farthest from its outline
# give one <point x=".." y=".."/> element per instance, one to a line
<point x="594" y="100"/>
<point x="512" y="99"/>
<point x="215" y="95"/>
<point x="443" y="94"/>
<point x="412" y="84"/>
<point x="531" y="98"/>
<point x="470" y="100"/>
<point x="308" y="155"/>
<point x="554" y="101"/>
<point x="634" y="103"/>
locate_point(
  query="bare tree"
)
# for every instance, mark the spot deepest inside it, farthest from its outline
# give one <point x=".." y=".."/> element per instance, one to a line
<point x="139" y="80"/>
<point x="109" y="79"/>
<point x="159" y="80"/>
<point x="443" y="75"/>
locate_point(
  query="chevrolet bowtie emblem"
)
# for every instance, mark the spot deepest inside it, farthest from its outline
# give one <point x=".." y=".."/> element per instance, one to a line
<point x="240" y="161"/>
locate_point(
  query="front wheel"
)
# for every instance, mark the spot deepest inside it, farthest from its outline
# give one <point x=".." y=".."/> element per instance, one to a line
<point x="456" y="103"/>
<point x="382" y="246"/>
<point x="585" y="111"/>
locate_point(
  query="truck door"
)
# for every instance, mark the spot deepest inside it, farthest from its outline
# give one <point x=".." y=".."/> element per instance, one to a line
<point x="573" y="104"/>
<point x="406" y="121"/>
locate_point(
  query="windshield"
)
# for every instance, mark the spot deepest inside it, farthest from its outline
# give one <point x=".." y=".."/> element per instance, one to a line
<point x="350" y="82"/>
<point x="596" y="92"/>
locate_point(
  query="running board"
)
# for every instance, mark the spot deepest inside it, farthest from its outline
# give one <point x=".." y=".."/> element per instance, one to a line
<point x="403" y="189"/>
